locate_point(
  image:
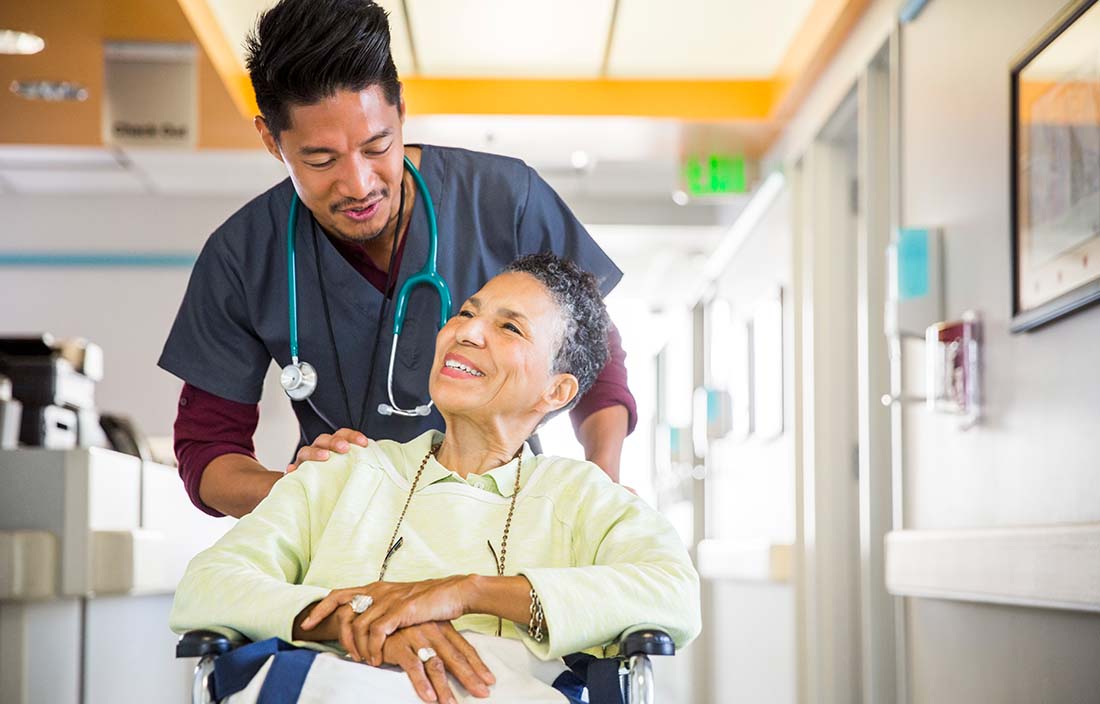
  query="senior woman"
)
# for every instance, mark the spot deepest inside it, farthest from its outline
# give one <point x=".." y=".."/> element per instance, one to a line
<point x="447" y="554"/>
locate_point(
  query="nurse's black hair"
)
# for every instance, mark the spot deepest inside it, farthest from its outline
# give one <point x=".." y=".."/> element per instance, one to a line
<point x="302" y="51"/>
<point x="582" y="350"/>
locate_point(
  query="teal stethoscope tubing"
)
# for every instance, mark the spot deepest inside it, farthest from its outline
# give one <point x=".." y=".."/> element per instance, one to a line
<point x="427" y="275"/>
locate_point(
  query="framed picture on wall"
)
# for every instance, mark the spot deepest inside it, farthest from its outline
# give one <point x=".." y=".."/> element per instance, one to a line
<point x="1055" y="170"/>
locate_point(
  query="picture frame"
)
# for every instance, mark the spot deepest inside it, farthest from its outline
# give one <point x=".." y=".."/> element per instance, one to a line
<point x="1055" y="170"/>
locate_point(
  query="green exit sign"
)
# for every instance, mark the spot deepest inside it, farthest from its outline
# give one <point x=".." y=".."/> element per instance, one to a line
<point x="714" y="175"/>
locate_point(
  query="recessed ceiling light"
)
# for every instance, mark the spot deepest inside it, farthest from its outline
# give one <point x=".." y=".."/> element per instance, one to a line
<point x="579" y="159"/>
<point x="52" y="91"/>
<point x="13" y="42"/>
<point x="680" y="198"/>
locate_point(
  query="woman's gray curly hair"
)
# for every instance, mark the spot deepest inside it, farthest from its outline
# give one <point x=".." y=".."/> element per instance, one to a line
<point x="582" y="350"/>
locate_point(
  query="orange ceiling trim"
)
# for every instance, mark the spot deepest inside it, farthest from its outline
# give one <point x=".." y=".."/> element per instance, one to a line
<point x="775" y="100"/>
<point x="221" y="54"/>
<point x="747" y="100"/>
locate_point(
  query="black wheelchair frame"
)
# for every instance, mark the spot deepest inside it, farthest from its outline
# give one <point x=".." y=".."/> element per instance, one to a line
<point x="635" y="668"/>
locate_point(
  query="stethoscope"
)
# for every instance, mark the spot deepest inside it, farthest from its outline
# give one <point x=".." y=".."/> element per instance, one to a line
<point x="299" y="378"/>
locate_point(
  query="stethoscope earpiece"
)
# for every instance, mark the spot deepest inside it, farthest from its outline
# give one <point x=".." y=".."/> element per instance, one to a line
<point x="299" y="380"/>
<point x="385" y="409"/>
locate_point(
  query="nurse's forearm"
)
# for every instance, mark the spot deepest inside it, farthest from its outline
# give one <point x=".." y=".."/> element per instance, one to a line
<point x="602" y="435"/>
<point x="235" y="484"/>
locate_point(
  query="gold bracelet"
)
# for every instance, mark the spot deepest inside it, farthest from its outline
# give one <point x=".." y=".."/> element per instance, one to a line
<point x="534" y="627"/>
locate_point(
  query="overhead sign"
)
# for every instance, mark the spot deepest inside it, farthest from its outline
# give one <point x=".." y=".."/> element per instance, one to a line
<point x="151" y="95"/>
<point x="714" y="175"/>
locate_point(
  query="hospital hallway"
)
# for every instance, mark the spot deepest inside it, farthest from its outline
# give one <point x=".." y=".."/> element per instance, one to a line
<point x="859" y="245"/>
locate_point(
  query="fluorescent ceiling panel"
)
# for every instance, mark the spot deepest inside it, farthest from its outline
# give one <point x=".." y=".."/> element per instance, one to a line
<point x="509" y="38"/>
<point x="709" y="39"/>
<point x="58" y="158"/>
<point x="551" y="140"/>
<point x="238" y="17"/>
<point x="43" y="181"/>
<point x="210" y="172"/>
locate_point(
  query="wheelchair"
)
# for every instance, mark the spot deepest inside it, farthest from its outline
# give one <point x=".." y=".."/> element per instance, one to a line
<point x="635" y="671"/>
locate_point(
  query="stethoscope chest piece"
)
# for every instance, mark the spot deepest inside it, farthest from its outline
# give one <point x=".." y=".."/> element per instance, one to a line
<point x="299" y="380"/>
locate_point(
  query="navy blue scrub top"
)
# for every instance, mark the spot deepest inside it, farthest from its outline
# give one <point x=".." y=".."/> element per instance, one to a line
<point x="234" y="319"/>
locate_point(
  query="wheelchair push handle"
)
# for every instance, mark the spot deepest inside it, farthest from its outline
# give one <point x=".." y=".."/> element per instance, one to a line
<point x="199" y="644"/>
<point x="650" y="641"/>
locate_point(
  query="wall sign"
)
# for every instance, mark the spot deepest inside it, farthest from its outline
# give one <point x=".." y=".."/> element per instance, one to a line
<point x="151" y="95"/>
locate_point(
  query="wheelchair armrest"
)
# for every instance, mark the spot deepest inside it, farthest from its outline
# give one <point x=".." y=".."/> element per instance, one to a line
<point x="197" y="644"/>
<point x="646" y="641"/>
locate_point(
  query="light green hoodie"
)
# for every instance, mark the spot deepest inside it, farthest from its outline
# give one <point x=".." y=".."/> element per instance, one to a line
<point x="601" y="560"/>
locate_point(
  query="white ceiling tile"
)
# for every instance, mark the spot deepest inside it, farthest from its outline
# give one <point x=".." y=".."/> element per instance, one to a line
<point x="59" y="158"/>
<point x="551" y="140"/>
<point x="703" y="38"/>
<point x="238" y="17"/>
<point x="72" y="181"/>
<point x="400" y="47"/>
<point x="504" y="38"/>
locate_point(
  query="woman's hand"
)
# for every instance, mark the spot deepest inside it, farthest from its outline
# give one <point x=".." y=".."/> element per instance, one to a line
<point x="454" y="654"/>
<point x="395" y="605"/>
<point x="339" y="442"/>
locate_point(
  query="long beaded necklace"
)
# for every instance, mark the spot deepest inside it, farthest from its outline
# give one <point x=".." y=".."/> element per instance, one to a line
<point x="395" y="542"/>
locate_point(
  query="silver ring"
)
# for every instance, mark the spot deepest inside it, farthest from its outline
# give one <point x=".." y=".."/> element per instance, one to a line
<point x="361" y="602"/>
<point x="425" y="654"/>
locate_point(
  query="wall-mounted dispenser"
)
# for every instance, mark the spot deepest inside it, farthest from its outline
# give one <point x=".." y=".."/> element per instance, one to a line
<point x="953" y="359"/>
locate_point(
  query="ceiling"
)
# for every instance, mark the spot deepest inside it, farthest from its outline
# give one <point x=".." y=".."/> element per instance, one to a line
<point x="566" y="85"/>
<point x="573" y="38"/>
<point x="704" y="60"/>
<point x="714" y="75"/>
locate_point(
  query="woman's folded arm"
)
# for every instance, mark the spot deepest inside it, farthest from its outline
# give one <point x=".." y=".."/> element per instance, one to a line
<point x="633" y="570"/>
<point x="249" y="580"/>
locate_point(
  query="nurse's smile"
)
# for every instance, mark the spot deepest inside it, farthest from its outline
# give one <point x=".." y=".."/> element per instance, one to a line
<point x="362" y="213"/>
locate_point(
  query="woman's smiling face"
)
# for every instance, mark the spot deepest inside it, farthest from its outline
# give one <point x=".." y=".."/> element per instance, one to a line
<point x="495" y="358"/>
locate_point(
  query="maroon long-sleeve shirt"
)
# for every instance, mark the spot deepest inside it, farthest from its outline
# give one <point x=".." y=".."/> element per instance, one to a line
<point x="209" y="426"/>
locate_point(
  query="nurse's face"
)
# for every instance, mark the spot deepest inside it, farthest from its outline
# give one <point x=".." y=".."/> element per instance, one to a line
<point x="344" y="154"/>
<point x="493" y="360"/>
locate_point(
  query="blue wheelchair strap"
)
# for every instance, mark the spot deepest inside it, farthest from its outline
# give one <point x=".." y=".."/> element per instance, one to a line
<point x="599" y="675"/>
<point x="234" y="670"/>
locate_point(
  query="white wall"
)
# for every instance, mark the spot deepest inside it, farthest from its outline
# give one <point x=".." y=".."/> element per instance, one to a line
<point x="127" y="311"/>
<point x="750" y="490"/>
<point x="751" y="484"/>
<point x="1034" y="459"/>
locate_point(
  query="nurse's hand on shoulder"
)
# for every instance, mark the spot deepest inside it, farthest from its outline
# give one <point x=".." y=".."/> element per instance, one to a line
<point x="339" y="442"/>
